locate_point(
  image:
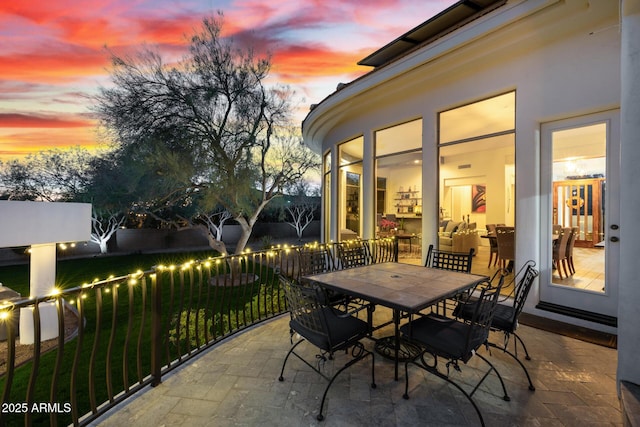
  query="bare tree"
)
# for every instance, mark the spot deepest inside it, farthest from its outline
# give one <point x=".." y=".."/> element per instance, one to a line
<point x="302" y="215"/>
<point x="207" y="126"/>
<point x="103" y="227"/>
<point x="215" y="222"/>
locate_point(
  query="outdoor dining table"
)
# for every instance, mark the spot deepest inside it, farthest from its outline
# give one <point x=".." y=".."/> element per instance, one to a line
<point x="404" y="288"/>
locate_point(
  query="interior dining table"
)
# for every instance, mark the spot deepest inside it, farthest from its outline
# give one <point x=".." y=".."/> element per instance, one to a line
<point x="404" y="288"/>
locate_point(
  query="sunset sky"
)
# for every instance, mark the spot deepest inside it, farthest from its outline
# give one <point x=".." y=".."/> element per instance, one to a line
<point x="52" y="55"/>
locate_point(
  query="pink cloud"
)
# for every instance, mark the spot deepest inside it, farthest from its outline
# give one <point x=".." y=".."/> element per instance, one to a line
<point x="21" y="120"/>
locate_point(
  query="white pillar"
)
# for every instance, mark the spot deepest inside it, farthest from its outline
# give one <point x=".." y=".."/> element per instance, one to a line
<point x="41" y="225"/>
<point x="42" y="281"/>
<point x="368" y="185"/>
<point x="629" y="287"/>
<point x="42" y="269"/>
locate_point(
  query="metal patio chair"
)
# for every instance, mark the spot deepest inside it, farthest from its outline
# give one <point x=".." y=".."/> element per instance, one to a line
<point x="455" y="341"/>
<point x="507" y="312"/>
<point x="353" y="253"/>
<point x="328" y="329"/>
<point x="454" y="261"/>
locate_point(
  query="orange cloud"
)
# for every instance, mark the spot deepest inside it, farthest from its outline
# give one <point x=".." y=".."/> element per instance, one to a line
<point x="298" y="64"/>
<point x="21" y="142"/>
<point x="51" y="65"/>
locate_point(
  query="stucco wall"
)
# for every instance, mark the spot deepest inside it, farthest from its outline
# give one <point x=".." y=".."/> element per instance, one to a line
<point x="562" y="58"/>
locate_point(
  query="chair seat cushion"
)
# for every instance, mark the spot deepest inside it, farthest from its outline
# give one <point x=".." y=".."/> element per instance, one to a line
<point x="502" y="317"/>
<point x="442" y="336"/>
<point x="340" y="330"/>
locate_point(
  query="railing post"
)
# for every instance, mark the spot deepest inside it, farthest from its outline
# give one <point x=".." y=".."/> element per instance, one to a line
<point x="156" y="328"/>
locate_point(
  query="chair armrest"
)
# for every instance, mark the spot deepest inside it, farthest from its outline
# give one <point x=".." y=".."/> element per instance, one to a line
<point x="352" y="310"/>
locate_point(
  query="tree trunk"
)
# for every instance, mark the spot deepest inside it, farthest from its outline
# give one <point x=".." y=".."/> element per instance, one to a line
<point x="244" y="236"/>
<point x="214" y="243"/>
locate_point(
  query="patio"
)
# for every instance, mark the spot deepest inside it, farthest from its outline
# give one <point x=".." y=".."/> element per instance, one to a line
<point x="235" y="383"/>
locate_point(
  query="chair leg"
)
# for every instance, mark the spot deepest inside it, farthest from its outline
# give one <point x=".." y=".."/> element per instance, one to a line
<point x="281" y="377"/>
<point x="571" y="266"/>
<point x="523" y="346"/>
<point x="437" y="373"/>
<point x="365" y="353"/>
<point x="490" y="259"/>
<point x="565" y="265"/>
<point x="505" y="397"/>
<point x="558" y="268"/>
<point x="524" y="368"/>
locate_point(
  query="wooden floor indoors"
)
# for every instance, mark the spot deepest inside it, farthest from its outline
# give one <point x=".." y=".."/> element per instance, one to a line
<point x="589" y="263"/>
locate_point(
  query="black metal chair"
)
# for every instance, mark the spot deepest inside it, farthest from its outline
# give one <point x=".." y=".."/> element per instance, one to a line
<point x="455" y="341"/>
<point x="507" y="313"/>
<point x="328" y="329"/>
<point x="454" y="261"/>
<point x="353" y="254"/>
<point x="314" y="259"/>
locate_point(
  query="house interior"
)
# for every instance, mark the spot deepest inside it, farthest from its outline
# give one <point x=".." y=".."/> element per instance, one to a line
<point x="476" y="149"/>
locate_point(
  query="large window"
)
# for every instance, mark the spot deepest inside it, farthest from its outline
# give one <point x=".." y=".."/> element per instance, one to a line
<point x="350" y="200"/>
<point x="399" y="180"/>
<point x="476" y="174"/>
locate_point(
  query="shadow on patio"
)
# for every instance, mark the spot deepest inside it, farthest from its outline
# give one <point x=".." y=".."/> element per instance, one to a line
<point x="236" y="383"/>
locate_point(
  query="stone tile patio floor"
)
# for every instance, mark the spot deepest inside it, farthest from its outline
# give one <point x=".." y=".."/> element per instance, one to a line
<point x="236" y="383"/>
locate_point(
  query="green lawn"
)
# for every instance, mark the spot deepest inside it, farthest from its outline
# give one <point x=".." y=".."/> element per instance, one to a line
<point x="74" y="272"/>
<point x="178" y="299"/>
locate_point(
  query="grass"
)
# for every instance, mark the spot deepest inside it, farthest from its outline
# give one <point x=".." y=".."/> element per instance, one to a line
<point x="72" y="273"/>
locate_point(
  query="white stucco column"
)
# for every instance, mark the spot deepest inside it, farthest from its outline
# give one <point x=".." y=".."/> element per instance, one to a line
<point x="368" y="185"/>
<point x="629" y="287"/>
<point x="42" y="279"/>
<point x="42" y="269"/>
<point x="334" y="215"/>
<point x="41" y="225"/>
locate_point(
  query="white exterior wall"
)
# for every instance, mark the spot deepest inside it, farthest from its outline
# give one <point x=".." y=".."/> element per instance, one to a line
<point x="559" y="68"/>
<point x="628" y="332"/>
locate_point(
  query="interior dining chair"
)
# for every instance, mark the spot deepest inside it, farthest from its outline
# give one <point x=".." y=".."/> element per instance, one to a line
<point x="326" y="328"/>
<point x="560" y="252"/>
<point x="493" y="245"/>
<point x="506" y="240"/>
<point x="507" y="313"/>
<point x="455" y="341"/>
<point x="575" y="231"/>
